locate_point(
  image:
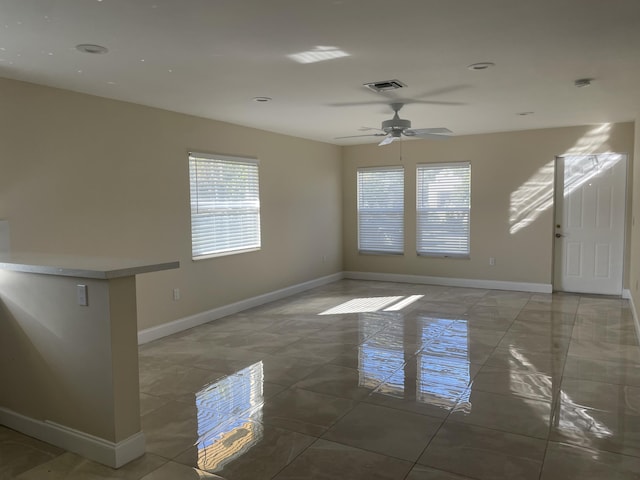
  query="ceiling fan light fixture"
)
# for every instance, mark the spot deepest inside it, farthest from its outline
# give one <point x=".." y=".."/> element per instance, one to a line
<point x="480" y="66"/>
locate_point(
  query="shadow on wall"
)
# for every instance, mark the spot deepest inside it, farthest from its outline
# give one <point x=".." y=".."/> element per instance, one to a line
<point x="535" y="195"/>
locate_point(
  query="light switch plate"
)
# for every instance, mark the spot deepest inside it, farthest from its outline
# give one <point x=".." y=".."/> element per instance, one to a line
<point x="83" y="299"/>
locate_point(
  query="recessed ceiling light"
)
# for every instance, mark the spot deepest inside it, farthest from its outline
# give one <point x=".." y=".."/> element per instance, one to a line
<point x="481" y="66"/>
<point x="262" y="99"/>
<point x="583" y="82"/>
<point x="524" y="114"/>
<point x="93" y="49"/>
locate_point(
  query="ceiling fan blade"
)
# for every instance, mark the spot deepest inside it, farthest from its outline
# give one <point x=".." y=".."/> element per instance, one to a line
<point x="366" y="129"/>
<point x="412" y="132"/>
<point x="433" y="136"/>
<point x="387" y="141"/>
<point x="369" y="135"/>
<point x="355" y="104"/>
<point x="442" y="91"/>
<point x="435" y="102"/>
<point x="404" y="101"/>
<point x="436" y="136"/>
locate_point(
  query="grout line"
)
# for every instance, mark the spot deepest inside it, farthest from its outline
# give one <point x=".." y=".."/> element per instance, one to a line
<point x="555" y="405"/>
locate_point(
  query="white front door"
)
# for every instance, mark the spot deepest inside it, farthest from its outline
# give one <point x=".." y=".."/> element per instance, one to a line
<point x="590" y="220"/>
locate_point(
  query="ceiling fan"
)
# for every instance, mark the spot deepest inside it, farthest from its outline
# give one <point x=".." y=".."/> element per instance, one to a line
<point x="396" y="127"/>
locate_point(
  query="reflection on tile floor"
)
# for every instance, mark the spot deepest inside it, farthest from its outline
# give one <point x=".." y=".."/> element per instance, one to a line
<point x="377" y="380"/>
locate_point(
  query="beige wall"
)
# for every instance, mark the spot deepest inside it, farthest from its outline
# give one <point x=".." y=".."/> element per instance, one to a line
<point x="87" y="175"/>
<point x="511" y="199"/>
<point x="82" y="174"/>
<point x="634" y="274"/>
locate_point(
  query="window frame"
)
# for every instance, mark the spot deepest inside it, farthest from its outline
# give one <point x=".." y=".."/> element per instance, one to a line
<point x="359" y="210"/>
<point x="443" y="253"/>
<point x="193" y="158"/>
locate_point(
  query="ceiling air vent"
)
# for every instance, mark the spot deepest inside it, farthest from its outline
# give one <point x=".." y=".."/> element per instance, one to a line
<point x="385" y="85"/>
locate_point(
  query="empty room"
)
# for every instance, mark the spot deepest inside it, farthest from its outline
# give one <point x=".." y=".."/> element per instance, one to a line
<point x="278" y="239"/>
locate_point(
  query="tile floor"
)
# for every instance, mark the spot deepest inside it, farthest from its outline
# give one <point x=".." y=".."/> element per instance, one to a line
<point x="374" y="380"/>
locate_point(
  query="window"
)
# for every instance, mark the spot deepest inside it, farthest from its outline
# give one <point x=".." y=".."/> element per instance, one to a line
<point x="225" y="205"/>
<point x="381" y="210"/>
<point x="443" y="209"/>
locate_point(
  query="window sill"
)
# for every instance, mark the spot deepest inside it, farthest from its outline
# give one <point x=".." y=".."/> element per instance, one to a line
<point x="461" y="256"/>
<point x="372" y="252"/>
<point x="224" y="254"/>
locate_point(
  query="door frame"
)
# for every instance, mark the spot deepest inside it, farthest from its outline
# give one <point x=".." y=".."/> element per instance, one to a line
<point x="558" y="189"/>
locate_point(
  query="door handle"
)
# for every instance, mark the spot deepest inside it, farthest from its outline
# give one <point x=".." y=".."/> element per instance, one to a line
<point x="558" y="235"/>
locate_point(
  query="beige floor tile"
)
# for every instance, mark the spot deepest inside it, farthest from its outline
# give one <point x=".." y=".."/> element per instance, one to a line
<point x="530" y="343"/>
<point x="19" y="453"/>
<point x="314" y="350"/>
<point x="507" y="382"/>
<point x="546" y="329"/>
<point x="177" y="471"/>
<point x="426" y="384"/>
<point x="624" y="373"/>
<point x="484" y="454"/>
<point x="595" y="429"/>
<point x="605" y="351"/>
<point x="546" y="317"/>
<point x="388" y="431"/>
<point x="346" y="382"/>
<point x="148" y="403"/>
<point x="171" y="429"/>
<point x="601" y="396"/>
<point x="420" y="472"/>
<point x="246" y="451"/>
<point x="304" y="411"/>
<point x="518" y="360"/>
<point x="567" y="462"/>
<point x="326" y="460"/>
<point x="508" y="413"/>
<point x="70" y="466"/>
<point x="493" y="311"/>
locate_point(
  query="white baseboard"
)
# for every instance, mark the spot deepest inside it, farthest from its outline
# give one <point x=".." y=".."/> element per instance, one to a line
<point x="155" y="333"/>
<point x="452" y="282"/>
<point x="627" y="294"/>
<point x="94" y="448"/>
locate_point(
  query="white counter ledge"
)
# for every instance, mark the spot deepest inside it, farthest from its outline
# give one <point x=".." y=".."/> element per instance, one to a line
<point x="103" y="268"/>
<point x="69" y="352"/>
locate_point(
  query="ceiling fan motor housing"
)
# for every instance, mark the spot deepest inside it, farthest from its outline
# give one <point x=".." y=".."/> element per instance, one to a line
<point x="395" y="124"/>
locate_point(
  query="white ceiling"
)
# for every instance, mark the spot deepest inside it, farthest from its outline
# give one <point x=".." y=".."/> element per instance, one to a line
<point x="211" y="57"/>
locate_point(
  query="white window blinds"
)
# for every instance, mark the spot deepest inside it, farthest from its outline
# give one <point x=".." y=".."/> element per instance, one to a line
<point x="381" y="210"/>
<point x="225" y="205"/>
<point x="443" y="209"/>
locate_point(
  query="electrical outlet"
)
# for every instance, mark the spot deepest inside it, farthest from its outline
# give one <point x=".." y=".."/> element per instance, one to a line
<point x="176" y="294"/>
<point x="492" y="261"/>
